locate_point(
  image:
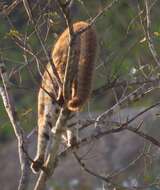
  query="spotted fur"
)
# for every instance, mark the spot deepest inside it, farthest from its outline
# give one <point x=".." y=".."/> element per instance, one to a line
<point x="48" y="106"/>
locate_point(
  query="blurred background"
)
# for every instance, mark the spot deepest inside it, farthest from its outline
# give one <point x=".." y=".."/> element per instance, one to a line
<point x="124" y="63"/>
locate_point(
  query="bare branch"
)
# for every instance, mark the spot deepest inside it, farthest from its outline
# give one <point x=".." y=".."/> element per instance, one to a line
<point x="119" y="127"/>
<point x="82" y="164"/>
<point x="101" y="13"/>
<point x="49" y="59"/>
<point x="115" y="84"/>
<point x="6" y="10"/>
<point x="71" y="66"/>
<point x="131" y="97"/>
<point x="27" y="48"/>
<point x="105" y="9"/>
<point x="28" y="10"/>
<point x="51" y="161"/>
<point x="148" y="34"/>
<point x="8" y="102"/>
<point x="109" y="179"/>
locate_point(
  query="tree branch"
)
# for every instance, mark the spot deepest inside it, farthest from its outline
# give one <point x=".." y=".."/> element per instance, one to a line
<point x="8" y="102"/>
<point x="51" y="161"/>
<point x="148" y="35"/>
<point x="118" y="127"/>
<point x="6" y="10"/>
<point x="71" y="66"/>
<point x="59" y="129"/>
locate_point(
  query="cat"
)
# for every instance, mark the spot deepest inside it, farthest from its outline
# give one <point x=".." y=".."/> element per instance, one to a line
<point x="48" y="105"/>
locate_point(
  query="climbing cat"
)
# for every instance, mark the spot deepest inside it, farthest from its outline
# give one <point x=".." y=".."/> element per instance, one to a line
<point x="48" y="105"/>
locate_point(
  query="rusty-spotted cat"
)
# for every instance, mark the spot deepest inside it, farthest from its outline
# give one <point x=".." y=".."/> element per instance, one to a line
<point x="48" y="106"/>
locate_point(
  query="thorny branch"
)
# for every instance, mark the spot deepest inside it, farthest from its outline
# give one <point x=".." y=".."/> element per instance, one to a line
<point x="118" y="127"/>
<point x="131" y="97"/>
<point x="109" y="179"/>
<point x="121" y="127"/>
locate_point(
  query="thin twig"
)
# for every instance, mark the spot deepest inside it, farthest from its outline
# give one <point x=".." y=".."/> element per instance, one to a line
<point x="133" y="96"/>
<point x="148" y="35"/>
<point x="6" y="10"/>
<point x="107" y="179"/>
<point x="116" y="84"/>
<point x="72" y="65"/>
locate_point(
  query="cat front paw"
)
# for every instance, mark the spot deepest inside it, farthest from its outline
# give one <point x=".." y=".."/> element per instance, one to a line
<point x="37" y="165"/>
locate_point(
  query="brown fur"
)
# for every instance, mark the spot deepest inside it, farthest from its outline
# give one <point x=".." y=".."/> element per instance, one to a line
<point x="48" y="107"/>
<point x="86" y="46"/>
